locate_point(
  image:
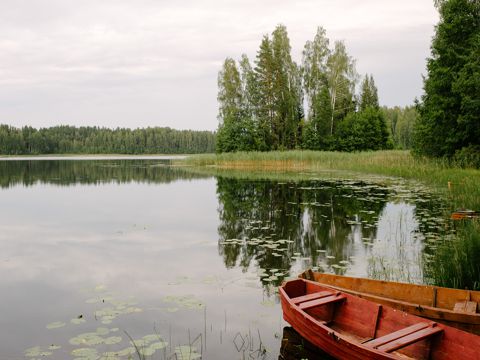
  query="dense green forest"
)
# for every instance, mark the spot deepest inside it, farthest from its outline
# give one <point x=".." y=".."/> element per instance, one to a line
<point x="261" y="106"/>
<point x="449" y="122"/>
<point x="95" y="140"/>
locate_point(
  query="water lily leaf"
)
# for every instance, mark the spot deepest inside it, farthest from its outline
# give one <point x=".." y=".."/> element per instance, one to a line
<point x="78" y="321"/>
<point x="85" y="354"/>
<point x="89" y="339"/>
<point x="112" y="340"/>
<point x="151" y="337"/>
<point x="55" y="325"/>
<point x="159" y="345"/>
<point x="37" y="351"/>
<point x="102" y="331"/>
<point x="127" y="351"/>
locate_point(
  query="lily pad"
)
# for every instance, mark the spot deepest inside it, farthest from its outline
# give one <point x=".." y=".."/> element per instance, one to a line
<point x="55" y="325"/>
<point x="85" y="354"/>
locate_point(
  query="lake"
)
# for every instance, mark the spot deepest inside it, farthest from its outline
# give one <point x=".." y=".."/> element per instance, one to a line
<point x="115" y="258"/>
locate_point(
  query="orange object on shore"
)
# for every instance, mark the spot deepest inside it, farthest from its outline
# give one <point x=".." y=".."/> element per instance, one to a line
<point x="464" y="214"/>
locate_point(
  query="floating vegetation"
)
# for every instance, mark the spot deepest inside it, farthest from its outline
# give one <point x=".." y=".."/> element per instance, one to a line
<point x="39" y="351"/>
<point x="78" y="320"/>
<point x="148" y="345"/>
<point x="96" y="338"/>
<point x="55" y="325"/>
<point x="185" y="301"/>
<point x="85" y="354"/>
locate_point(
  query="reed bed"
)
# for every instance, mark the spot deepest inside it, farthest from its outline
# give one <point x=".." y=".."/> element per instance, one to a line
<point x="460" y="185"/>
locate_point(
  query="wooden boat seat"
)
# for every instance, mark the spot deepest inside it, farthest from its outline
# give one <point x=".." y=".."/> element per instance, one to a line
<point x="404" y="337"/>
<point x="312" y="296"/>
<point x="333" y="298"/>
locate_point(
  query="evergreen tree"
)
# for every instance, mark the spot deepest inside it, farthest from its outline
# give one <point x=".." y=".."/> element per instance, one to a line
<point x="265" y="97"/>
<point x="450" y="108"/>
<point x="287" y="91"/>
<point x="369" y="94"/>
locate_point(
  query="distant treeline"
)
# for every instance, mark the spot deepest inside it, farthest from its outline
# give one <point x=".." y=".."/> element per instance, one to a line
<point x="95" y="140"/>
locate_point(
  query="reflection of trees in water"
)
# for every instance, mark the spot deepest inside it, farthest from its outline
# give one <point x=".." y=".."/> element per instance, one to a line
<point x="315" y="215"/>
<point x="70" y="172"/>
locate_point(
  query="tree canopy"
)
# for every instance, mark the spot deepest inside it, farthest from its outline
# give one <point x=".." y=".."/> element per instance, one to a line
<point x="449" y="121"/>
<point x="262" y="107"/>
<point x="95" y="140"/>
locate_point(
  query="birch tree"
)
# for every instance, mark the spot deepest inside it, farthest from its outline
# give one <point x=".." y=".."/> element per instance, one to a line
<point x="341" y="78"/>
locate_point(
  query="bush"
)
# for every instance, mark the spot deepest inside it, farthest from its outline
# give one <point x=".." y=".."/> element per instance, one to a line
<point x="468" y="156"/>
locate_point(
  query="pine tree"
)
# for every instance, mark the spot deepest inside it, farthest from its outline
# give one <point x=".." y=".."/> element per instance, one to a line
<point x="450" y="108"/>
<point x="369" y="94"/>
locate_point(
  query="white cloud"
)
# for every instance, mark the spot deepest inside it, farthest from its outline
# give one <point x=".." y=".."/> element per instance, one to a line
<point x="153" y="62"/>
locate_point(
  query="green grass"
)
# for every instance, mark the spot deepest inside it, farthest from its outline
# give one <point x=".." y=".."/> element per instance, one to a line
<point x="460" y="186"/>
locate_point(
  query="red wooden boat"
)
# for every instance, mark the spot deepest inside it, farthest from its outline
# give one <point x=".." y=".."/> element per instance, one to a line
<point x="349" y="327"/>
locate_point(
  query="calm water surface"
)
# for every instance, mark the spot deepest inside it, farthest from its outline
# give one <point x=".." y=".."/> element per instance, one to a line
<point x="105" y="259"/>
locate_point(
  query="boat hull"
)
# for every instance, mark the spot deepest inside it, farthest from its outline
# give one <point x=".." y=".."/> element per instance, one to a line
<point x="346" y="330"/>
<point x="414" y="299"/>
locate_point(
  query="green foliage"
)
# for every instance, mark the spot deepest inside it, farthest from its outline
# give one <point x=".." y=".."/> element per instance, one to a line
<point x="455" y="263"/>
<point x="317" y="130"/>
<point x="401" y="123"/>
<point x="369" y="93"/>
<point x="261" y="108"/>
<point x="468" y="156"/>
<point x="450" y="109"/>
<point x="366" y="130"/>
<point x="341" y="79"/>
<point x="95" y="140"/>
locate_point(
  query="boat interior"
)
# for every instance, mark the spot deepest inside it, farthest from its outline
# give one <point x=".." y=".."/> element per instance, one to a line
<point x="364" y="322"/>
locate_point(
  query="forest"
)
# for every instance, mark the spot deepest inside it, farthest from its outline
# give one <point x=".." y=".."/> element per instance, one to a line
<point x="277" y="104"/>
<point x="96" y="140"/>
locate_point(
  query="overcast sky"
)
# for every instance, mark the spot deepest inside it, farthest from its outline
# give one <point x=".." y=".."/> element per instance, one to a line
<point x="155" y="63"/>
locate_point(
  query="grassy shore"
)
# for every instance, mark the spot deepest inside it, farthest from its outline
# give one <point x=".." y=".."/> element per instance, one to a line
<point x="456" y="259"/>
<point x="461" y="186"/>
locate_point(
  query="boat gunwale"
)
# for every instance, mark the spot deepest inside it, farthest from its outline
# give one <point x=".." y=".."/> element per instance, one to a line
<point x="433" y="312"/>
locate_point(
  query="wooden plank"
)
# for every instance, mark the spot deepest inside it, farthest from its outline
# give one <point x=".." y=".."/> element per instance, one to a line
<point x="313" y="296"/>
<point x="466" y="306"/>
<point x="322" y="301"/>
<point x="397" y="334"/>
<point x="410" y="339"/>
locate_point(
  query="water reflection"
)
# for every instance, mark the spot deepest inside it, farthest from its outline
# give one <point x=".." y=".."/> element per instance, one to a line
<point x="136" y="228"/>
<point x="340" y="226"/>
<point x="72" y="172"/>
